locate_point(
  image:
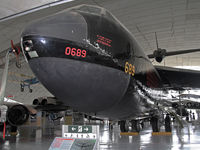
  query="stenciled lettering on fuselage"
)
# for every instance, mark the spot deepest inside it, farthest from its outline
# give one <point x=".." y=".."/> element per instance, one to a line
<point x="129" y="69"/>
<point x="104" y="41"/>
<point x="75" y="52"/>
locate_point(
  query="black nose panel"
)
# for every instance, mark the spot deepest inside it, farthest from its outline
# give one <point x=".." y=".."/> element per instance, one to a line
<point x="66" y="25"/>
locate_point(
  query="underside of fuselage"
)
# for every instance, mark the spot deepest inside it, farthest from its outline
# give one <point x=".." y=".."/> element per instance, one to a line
<point x="84" y="86"/>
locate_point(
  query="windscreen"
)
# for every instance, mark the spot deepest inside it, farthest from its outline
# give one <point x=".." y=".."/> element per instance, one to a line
<point x="91" y="9"/>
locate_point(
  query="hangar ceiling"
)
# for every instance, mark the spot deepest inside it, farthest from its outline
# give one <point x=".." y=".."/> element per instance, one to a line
<point x="176" y="22"/>
<point x="10" y="7"/>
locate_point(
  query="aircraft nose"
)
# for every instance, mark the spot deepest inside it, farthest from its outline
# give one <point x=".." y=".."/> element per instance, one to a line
<point x="67" y="25"/>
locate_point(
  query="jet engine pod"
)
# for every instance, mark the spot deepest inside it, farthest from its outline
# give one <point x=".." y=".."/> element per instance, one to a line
<point x="159" y="54"/>
<point x="44" y="102"/>
<point x="36" y="102"/>
<point x="175" y="105"/>
<point x="159" y="59"/>
<point x="17" y="115"/>
<point x="189" y="105"/>
<point x="197" y="105"/>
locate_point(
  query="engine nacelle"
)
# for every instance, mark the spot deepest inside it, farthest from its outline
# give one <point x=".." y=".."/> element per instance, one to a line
<point x="40" y="101"/>
<point x="45" y="101"/>
<point x="159" y="54"/>
<point x="36" y="102"/>
<point x="175" y="105"/>
<point x="17" y="115"/>
<point x="159" y="59"/>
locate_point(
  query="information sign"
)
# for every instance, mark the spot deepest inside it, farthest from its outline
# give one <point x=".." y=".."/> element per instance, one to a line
<point x="80" y="131"/>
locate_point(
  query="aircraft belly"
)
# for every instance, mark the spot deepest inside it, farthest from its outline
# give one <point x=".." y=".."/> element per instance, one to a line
<point x="84" y="86"/>
<point x="129" y="107"/>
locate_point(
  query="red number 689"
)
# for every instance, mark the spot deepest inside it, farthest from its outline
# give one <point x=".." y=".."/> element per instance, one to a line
<point x="75" y="52"/>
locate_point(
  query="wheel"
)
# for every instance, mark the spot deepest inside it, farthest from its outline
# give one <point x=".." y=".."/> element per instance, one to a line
<point x="30" y="90"/>
<point x="136" y="125"/>
<point x="13" y="129"/>
<point x="123" y="126"/>
<point x="1" y="127"/>
<point x="18" y="65"/>
<point x="155" y="124"/>
<point x="22" y="89"/>
<point x="110" y="126"/>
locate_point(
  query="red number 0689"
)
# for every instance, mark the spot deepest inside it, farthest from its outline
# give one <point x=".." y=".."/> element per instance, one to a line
<point x="75" y="52"/>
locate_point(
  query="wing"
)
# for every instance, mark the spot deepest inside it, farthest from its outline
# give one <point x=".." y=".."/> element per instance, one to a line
<point x="160" y="54"/>
<point x="179" y="78"/>
<point x="179" y="52"/>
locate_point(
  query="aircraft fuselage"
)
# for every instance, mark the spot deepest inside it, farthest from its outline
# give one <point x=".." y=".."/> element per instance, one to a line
<point x="88" y="60"/>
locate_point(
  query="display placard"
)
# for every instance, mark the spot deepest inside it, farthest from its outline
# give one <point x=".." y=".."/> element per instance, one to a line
<point x="80" y="131"/>
<point x="61" y="143"/>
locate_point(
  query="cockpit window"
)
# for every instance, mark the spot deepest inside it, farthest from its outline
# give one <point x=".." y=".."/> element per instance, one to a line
<point x="89" y="9"/>
<point x="105" y="31"/>
<point x="94" y="10"/>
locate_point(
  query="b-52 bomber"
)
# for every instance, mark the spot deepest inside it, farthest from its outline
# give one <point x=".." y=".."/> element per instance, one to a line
<point x="90" y="62"/>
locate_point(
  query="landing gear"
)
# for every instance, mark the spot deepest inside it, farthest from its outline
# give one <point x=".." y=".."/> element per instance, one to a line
<point x="30" y="90"/>
<point x="1" y="127"/>
<point x="123" y="127"/>
<point x="168" y="123"/>
<point x="18" y="64"/>
<point x="22" y="87"/>
<point x="110" y="125"/>
<point x="136" y="126"/>
<point x="13" y="129"/>
<point x="155" y="124"/>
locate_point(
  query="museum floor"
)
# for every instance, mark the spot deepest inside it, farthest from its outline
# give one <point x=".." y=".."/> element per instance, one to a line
<point x="31" y="137"/>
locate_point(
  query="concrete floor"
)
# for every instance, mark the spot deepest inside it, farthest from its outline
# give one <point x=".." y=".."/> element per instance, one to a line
<point x="31" y="137"/>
